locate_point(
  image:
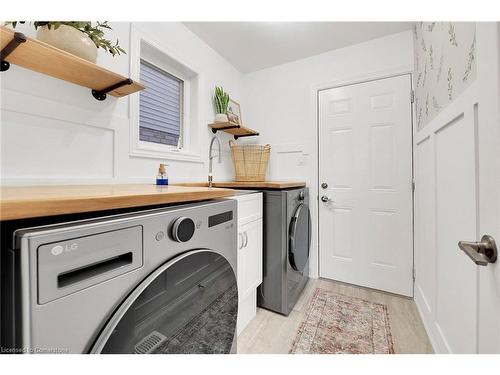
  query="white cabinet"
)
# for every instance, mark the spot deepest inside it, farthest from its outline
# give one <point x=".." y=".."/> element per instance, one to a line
<point x="249" y="255"/>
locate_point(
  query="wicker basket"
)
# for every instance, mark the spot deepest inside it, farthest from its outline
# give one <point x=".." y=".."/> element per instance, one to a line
<point x="250" y="161"/>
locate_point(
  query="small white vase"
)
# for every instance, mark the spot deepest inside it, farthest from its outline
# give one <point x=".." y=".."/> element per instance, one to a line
<point x="220" y="117"/>
<point x="70" y="40"/>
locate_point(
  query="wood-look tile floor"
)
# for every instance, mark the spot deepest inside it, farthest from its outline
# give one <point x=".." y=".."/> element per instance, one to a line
<point x="271" y="333"/>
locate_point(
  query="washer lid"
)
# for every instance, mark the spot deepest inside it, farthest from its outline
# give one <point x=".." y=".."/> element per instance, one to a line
<point x="300" y="237"/>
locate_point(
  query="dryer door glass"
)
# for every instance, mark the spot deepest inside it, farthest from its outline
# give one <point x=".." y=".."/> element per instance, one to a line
<point x="188" y="305"/>
<point x="300" y="238"/>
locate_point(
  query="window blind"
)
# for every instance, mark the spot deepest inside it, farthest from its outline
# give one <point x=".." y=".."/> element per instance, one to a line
<point x="160" y="106"/>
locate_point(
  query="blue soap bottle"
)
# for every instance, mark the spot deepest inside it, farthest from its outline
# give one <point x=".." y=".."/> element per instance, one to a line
<point x="162" y="178"/>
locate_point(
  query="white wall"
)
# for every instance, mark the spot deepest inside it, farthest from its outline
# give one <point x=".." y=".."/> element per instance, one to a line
<point x="280" y="103"/>
<point x="55" y="132"/>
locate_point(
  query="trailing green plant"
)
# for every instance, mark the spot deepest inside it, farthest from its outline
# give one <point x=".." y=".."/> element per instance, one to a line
<point x="221" y="100"/>
<point x="95" y="33"/>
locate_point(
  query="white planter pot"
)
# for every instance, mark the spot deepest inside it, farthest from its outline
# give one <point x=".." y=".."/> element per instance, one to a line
<point x="70" y="40"/>
<point x="220" y="117"/>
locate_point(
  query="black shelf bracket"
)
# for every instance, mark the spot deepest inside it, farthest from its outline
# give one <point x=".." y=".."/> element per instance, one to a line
<point x="245" y="135"/>
<point x="214" y="130"/>
<point x="101" y="94"/>
<point x="7" y="50"/>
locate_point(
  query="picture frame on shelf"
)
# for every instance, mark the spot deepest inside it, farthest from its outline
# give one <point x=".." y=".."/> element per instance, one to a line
<point x="234" y="112"/>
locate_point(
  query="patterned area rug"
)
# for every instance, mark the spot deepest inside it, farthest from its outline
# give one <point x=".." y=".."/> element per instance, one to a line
<point x="338" y="324"/>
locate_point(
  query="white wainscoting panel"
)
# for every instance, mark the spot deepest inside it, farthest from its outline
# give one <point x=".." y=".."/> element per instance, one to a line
<point x="75" y="151"/>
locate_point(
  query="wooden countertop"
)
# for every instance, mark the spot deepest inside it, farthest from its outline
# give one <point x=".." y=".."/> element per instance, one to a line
<point x="20" y="202"/>
<point x="251" y="184"/>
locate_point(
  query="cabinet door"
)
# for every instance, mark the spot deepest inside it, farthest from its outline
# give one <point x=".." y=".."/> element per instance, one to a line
<point x="249" y="257"/>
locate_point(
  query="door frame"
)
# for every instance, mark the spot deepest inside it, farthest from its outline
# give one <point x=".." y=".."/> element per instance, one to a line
<point x="364" y="78"/>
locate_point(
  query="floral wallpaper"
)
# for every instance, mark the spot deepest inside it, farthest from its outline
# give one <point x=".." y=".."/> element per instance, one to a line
<point x="445" y="64"/>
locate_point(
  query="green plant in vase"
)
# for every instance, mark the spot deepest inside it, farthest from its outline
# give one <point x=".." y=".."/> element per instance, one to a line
<point x="221" y="101"/>
<point x="79" y="38"/>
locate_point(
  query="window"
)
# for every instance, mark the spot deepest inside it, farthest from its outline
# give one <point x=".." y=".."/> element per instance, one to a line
<point x="160" y="106"/>
<point x="165" y="116"/>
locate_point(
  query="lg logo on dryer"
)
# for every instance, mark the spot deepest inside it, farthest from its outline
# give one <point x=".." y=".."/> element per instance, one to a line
<point x="59" y="249"/>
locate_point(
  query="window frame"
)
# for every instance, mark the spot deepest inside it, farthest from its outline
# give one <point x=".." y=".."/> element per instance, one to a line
<point x="144" y="47"/>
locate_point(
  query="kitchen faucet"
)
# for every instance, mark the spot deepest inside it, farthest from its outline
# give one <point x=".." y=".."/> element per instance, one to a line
<point x="210" y="157"/>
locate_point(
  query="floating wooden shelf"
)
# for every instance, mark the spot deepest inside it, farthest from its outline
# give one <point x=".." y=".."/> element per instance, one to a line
<point x="238" y="131"/>
<point x="43" y="58"/>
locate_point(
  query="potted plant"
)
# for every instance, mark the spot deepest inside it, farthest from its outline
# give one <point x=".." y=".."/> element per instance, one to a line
<point x="221" y="101"/>
<point x="79" y="38"/>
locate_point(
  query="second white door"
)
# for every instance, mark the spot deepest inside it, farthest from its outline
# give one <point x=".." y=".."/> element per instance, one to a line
<point x="365" y="176"/>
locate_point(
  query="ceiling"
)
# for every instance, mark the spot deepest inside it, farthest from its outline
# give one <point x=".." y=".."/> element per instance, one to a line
<point x="251" y="46"/>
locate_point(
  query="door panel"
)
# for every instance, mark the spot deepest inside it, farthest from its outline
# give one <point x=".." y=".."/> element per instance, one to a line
<point x="342" y="236"/>
<point x="382" y="157"/>
<point x="250" y="258"/>
<point x="341" y="146"/>
<point x="366" y="160"/>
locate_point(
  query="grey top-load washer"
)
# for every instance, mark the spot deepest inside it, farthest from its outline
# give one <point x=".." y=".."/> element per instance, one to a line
<point x="155" y="281"/>
<point x="287" y="239"/>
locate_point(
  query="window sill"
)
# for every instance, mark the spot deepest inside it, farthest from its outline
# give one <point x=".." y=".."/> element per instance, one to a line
<point x="168" y="155"/>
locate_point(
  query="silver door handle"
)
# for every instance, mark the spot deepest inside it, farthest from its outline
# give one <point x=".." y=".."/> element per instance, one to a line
<point x="325" y="199"/>
<point x="482" y="252"/>
<point x="246" y="239"/>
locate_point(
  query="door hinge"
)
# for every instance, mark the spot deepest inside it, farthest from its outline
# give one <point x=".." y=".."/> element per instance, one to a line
<point x="413" y="185"/>
<point x="412" y="96"/>
<point x="414" y="274"/>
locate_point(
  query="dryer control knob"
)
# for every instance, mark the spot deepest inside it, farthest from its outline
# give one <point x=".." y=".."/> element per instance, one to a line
<point x="183" y="229"/>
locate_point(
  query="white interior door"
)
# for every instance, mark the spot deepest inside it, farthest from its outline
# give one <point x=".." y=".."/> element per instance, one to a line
<point x="488" y="66"/>
<point x="457" y="164"/>
<point x="365" y="160"/>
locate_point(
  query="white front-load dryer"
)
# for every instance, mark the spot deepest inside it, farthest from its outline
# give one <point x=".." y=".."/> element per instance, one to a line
<point x="156" y="281"/>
